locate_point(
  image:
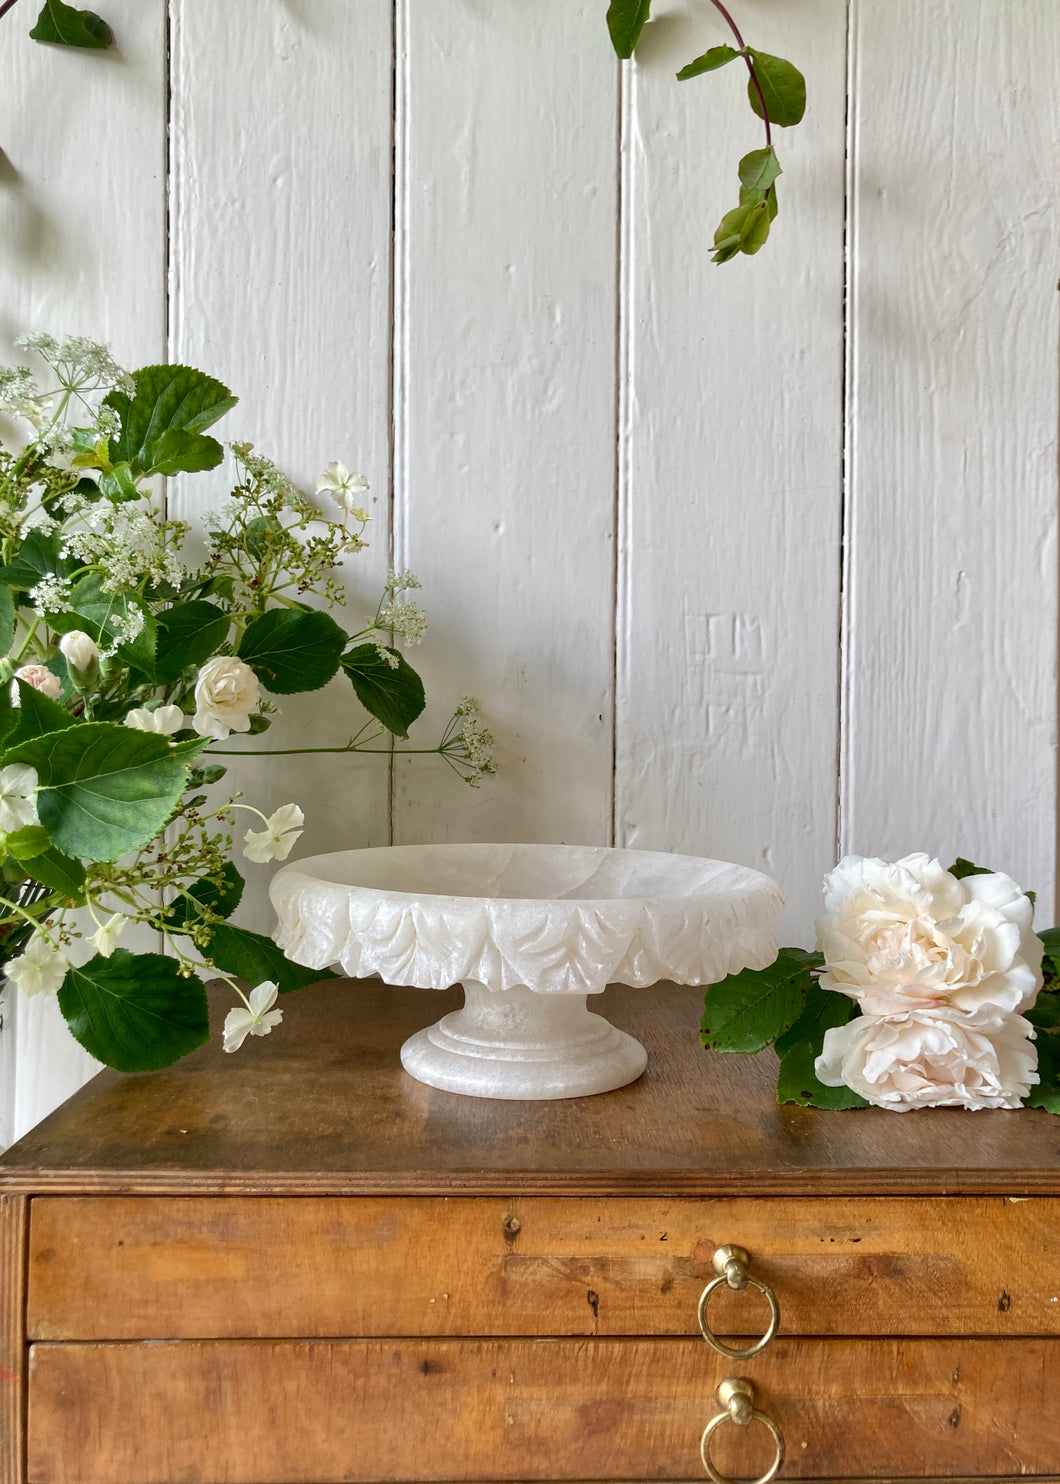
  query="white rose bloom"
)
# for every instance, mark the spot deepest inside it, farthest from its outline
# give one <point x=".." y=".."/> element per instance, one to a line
<point x="910" y="933"/>
<point x="105" y="938"/>
<point x="41" y="678"/>
<point x="166" y="719"/>
<point x="933" y="1059"/>
<point x="18" y="797"/>
<point x="343" y="487"/>
<point x="39" y="968"/>
<point x="79" y="650"/>
<point x="226" y="692"/>
<point x="274" y="842"/>
<point x="257" y="1021"/>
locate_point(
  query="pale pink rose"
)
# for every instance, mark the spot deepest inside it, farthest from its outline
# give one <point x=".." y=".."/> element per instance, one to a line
<point x="933" y="1059"/>
<point x="41" y="678"/>
<point x="909" y="933"/>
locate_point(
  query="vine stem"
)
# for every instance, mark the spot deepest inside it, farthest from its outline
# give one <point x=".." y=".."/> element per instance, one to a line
<point x="5" y="7"/>
<point x="734" y="28"/>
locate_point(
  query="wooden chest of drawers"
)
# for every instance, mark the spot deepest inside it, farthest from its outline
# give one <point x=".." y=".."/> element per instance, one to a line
<point x="295" y="1265"/>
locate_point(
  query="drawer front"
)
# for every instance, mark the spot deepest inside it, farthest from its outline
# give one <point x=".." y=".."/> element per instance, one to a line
<point x="191" y="1268"/>
<point x="283" y="1412"/>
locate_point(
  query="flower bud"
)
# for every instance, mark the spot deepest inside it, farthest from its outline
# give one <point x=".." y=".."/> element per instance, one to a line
<point x="81" y="653"/>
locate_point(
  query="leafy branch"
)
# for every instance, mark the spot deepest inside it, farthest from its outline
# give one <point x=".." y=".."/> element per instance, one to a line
<point x="63" y="25"/>
<point x="776" y="91"/>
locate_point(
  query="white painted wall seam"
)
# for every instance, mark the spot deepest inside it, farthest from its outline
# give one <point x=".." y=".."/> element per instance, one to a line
<point x="624" y="330"/>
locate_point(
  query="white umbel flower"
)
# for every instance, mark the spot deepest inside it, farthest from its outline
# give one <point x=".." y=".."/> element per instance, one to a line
<point x="39" y="969"/>
<point x="274" y="842"/>
<point x="343" y="487"/>
<point x="18" y="797"/>
<point x="165" y="720"/>
<point x="258" y="1020"/>
<point x="105" y="938"/>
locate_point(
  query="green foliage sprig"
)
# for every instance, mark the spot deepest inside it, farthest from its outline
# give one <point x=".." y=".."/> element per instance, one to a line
<point x="776" y="90"/>
<point x="63" y="25"/>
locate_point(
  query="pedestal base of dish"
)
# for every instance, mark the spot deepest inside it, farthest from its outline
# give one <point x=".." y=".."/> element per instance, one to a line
<point x="518" y="1044"/>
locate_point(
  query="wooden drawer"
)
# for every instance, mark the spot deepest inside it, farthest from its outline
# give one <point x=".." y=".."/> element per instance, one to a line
<point x="288" y="1412"/>
<point x="119" y="1268"/>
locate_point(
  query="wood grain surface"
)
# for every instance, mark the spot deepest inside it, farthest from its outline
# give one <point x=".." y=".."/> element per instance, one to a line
<point x="14" y="1228"/>
<point x="262" y="1412"/>
<point x="322" y="1106"/>
<point x="150" y="1268"/>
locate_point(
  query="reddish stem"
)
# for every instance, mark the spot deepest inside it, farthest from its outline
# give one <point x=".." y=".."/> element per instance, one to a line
<point x="720" y="8"/>
<point x="6" y="6"/>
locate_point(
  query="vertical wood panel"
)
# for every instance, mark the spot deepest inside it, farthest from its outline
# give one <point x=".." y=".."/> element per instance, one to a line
<point x="729" y="523"/>
<point x="281" y="286"/>
<point x="82" y="234"/>
<point x="951" y="645"/>
<point x="14" y="1226"/>
<point x="505" y="432"/>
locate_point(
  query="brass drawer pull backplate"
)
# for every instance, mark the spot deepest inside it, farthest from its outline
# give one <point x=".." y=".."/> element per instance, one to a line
<point x="730" y="1263"/>
<point x="735" y="1397"/>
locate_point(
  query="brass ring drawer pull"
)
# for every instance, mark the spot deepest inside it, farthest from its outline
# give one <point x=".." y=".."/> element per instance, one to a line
<point x="730" y="1264"/>
<point x="736" y="1398"/>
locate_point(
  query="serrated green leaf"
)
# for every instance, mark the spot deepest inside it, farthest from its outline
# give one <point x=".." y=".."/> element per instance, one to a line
<point x="168" y="399"/>
<point x="62" y="25"/>
<point x="759" y="169"/>
<point x="783" y="88"/>
<point x="255" y="959"/>
<point x="104" y="789"/>
<point x="755" y="230"/>
<point x="1046" y="1094"/>
<point x="24" y="844"/>
<point x="749" y="1010"/>
<point x="824" y="1009"/>
<point x="394" y="696"/>
<point x="36" y="715"/>
<point x="188" y="634"/>
<point x="38" y="557"/>
<point x="221" y="898"/>
<point x="625" y="21"/>
<point x="53" y="868"/>
<point x="118" y="485"/>
<point x="291" y="651"/>
<point x="797" y="1082"/>
<point x="710" y="61"/>
<point x="7" y="619"/>
<point x="135" y="1011"/>
<point x="181" y="452"/>
<point x="101" y="614"/>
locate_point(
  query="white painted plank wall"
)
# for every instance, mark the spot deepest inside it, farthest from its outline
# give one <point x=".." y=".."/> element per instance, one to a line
<point x="453" y="244"/>
<point x="950" y="658"/>
<point x="82" y="252"/>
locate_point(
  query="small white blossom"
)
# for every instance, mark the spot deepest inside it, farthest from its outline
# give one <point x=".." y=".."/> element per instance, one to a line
<point x="51" y="595"/>
<point x="343" y="487"/>
<point x="258" y="1020"/>
<point x="39" y="969"/>
<point x="389" y="658"/>
<point x="165" y="719"/>
<point x="18" y="797"/>
<point x="105" y="938"/>
<point x="406" y="619"/>
<point x="274" y="842"/>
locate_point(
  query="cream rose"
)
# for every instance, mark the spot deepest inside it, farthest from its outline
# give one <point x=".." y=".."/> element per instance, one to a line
<point x="226" y="692"/>
<point x="933" y="1059"/>
<point x="911" y="934"/>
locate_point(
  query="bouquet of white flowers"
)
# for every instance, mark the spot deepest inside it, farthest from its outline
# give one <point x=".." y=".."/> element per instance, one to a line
<point x="124" y="669"/>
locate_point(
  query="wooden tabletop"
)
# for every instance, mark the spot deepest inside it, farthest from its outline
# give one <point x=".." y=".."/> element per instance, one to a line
<point x="322" y="1105"/>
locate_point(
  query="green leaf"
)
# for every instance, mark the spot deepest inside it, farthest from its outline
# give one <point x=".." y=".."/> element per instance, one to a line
<point x="37" y="715"/>
<point x="1045" y="1012"/>
<point x="100" y="614"/>
<point x="58" y="871"/>
<point x="748" y="1010"/>
<point x="1047" y="1093"/>
<point x="24" y="844"/>
<point x="188" y="634"/>
<point x="625" y="22"/>
<point x="291" y="651"/>
<point x="730" y="226"/>
<point x="118" y="485"/>
<point x="393" y="696"/>
<point x="824" y="1008"/>
<point x="797" y="1082"/>
<point x="65" y="26"/>
<point x="759" y="169"/>
<point x="105" y="789"/>
<point x="755" y="198"/>
<point x="755" y="229"/>
<point x="38" y="557"/>
<point x="7" y="619"/>
<point x="710" y="61"/>
<point x="783" y="88"/>
<point x="254" y="958"/>
<point x="221" y="898"/>
<point x="169" y="399"/>
<point x="962" y="868"/>
<point x="135" y="1011"/>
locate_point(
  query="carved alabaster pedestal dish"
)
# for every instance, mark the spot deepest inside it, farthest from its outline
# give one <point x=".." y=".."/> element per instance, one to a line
<point x="529" y="931"/>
